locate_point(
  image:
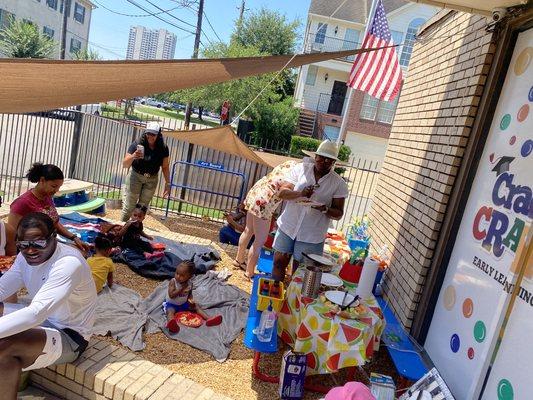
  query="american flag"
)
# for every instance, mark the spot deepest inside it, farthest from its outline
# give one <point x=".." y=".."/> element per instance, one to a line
<point x="377" y="72"/>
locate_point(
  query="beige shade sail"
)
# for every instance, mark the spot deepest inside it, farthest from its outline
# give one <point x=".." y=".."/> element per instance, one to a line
<point x="28" y="85"/>
<point x="221" y="139"/>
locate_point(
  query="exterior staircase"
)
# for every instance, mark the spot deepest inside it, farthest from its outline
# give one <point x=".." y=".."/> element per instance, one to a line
<point x="306" y="122"/>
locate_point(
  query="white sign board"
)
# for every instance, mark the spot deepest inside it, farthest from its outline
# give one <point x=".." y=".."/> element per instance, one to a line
<point x="479" y="275"/>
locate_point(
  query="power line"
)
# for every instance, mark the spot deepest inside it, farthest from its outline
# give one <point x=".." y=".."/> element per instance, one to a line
<point x="97" y="45"/>
<point x="158" y="17"/>
<point x="171" y="15"/>
<point x="132" y="15"/>
<point x="213" y="29"/>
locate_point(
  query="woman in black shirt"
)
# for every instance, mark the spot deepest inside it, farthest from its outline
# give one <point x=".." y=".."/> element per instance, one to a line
<point x="145" y="156"/>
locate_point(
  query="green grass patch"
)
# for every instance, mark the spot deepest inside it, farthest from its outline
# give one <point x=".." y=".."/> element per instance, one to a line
<point x="187" y="208"/>
<point x="172" y="114"/>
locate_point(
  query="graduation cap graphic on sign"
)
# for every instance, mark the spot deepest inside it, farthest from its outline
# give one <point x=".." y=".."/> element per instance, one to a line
<point x="503" y="165"/>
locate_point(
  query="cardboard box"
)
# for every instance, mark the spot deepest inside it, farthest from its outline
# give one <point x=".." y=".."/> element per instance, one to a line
<point x="382" y="386"/>
<point x="292" y="375"/>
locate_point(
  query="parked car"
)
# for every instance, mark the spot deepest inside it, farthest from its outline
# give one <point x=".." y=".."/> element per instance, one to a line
<point x="95" y="108"/>
<point x="62" y="114"/>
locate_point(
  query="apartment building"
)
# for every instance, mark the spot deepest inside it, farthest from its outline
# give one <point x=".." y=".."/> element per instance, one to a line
<point x="150" y="44"/>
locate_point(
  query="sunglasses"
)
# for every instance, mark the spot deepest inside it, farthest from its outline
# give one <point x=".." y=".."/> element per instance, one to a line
<point x="36" y="244"/>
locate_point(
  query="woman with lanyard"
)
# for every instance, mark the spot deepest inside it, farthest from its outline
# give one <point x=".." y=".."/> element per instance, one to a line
<point x="145" y="156"/>
<point x="49" y="179"/>
<point x="56" y="326"/>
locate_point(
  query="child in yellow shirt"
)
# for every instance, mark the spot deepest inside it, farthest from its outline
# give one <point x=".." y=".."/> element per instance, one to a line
<point x="102" y="266"/>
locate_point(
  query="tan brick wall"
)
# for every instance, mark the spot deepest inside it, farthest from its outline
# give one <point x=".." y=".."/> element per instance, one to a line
<point x="431" y="129"/>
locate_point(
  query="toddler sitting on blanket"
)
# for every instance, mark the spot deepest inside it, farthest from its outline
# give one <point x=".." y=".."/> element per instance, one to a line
<point x="179" y="298"/>
<point x="129" y="235"/>
<point x="102" y="267"/>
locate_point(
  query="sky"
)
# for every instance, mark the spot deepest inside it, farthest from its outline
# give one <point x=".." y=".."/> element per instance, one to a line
<point x="109" y="31"/>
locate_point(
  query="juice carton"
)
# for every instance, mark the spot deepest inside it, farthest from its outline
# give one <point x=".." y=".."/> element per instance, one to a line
<point x="292" y="375"/>
<point x="382" y="386"/>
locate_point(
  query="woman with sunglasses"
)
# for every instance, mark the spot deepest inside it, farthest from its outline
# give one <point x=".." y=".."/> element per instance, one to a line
<point x="56" y="326"/>
<point x="49" y="179"/>
<point x="145" y="156"/>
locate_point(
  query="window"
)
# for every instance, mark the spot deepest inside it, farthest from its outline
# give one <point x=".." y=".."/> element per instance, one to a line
<point x="369" y="108"/>
<point x="386" y="110"/>
<point x="79" y="13"/>
<point x="75" y="45"/>
<point x="378" y="110"/>
<point x="397" y="38"/>
<point x="28" y="21"/>
<point x="321" y="33"/>
<point x="410" y="41"/>
<point x="351" y="41"/>
<point x="52" y="4"/>
<point x="5" y="18"/>
<point x="48" y="32"/>
<point x="331" y="132"/>
<point x="311" y="75"/>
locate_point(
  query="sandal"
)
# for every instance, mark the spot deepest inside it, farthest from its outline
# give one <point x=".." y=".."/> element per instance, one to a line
<point x="241" y="265"/>
<point x="249" y="277"/>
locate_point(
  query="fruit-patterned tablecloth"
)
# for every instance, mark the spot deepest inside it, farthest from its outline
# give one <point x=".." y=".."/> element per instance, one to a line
<point x="331" y="342"/>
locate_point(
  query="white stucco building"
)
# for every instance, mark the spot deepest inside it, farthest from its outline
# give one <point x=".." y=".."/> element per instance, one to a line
<point x="48" y="16"/>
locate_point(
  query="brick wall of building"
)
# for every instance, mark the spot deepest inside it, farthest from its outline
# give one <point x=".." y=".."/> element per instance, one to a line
<point x="431" y="129"/>
<point x="360" y="125"/>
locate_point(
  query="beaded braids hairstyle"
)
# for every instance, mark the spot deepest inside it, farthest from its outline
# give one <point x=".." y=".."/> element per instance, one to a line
<point x="49" y="172"/>
<point x="189" y="265"/>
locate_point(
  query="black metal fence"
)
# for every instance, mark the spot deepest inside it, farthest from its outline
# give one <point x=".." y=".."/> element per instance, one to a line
<point x="90" y="148"/>
<point x="361" y="176"/>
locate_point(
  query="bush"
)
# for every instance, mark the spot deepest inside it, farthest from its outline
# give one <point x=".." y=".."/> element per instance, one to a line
<point x="276" y="122"/>
<point x="299" y="143"/>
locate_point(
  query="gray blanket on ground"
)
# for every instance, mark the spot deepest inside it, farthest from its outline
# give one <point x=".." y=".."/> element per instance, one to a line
<point x="119" y="312"/>
<point x="215" y="297"/>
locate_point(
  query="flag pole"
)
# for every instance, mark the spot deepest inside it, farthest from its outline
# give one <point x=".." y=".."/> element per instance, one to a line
<point x="344" y="122"/>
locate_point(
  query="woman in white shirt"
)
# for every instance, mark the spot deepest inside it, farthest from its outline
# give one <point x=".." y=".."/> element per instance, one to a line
<point x="56" y="326"/>
<point x="302" y="229"/>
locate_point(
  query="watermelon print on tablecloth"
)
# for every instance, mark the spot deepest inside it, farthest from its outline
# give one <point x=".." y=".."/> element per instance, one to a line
<point x="351" y="334"/>
<point x="303" y="333"/>
<point x="314" y="329"/>
<point x="286" y="337"/>
<point x="285" y="308"/>
<point x="333" y="362"/>
<point x="296" y="304"/>
<point x="312" y="360"/>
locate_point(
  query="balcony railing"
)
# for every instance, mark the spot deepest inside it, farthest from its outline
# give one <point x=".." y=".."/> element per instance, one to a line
<point x="330" y="104"/>
<point x="318" y="43"/>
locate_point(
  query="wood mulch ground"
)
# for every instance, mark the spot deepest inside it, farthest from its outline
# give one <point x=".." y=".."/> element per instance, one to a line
<point x="232" y="378"/>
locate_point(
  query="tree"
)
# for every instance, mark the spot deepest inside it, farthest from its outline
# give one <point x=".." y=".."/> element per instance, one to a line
<point x="268" y="31"/>
<point x="239" y="92"/>
<point x="276" y="122"/>
<point x="21" y="39"/>
<point x="87" y="55"/>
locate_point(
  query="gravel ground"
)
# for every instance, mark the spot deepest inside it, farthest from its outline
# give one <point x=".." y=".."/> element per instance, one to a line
<point x="234" y="377"/>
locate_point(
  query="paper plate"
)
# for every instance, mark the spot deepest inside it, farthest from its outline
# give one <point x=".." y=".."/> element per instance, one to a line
<point x="336" y="296"/>
<point x="331" y="280"/>
<point x="307" y="202"/>
<point x="323" y="259"/>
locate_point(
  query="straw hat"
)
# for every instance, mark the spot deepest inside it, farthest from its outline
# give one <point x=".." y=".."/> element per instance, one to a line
<point x="326" y="149"/>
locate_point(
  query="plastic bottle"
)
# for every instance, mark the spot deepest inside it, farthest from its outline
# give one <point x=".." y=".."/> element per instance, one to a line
<point x="266" y="325"/>
<point x="265" y="288"/>
<point x="275" y="290"/>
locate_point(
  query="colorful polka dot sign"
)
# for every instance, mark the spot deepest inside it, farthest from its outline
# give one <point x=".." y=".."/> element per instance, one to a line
<point x="309" y="326"/>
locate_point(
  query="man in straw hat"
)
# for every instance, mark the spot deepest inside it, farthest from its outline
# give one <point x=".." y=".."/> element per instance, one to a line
<point x="315" y="195"/>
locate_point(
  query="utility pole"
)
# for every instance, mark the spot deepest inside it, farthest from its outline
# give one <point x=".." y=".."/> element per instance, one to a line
<point x="66" y="12"/>
<point x="195" y="55"/>
<point x="241" y="13"/>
